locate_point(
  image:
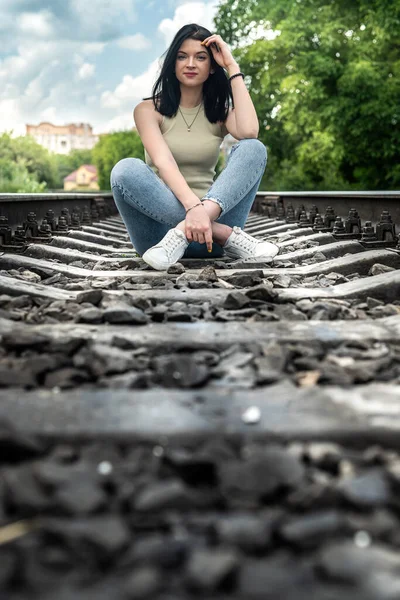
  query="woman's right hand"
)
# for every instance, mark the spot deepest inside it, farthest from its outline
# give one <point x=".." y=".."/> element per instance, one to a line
<point x="198" y="226"/>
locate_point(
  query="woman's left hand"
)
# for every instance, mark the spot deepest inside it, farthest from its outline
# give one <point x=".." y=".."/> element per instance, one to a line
<point x="220" y="50"/>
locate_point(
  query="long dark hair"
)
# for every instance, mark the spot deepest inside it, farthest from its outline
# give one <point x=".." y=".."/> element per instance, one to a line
<point x="217" y="91"/>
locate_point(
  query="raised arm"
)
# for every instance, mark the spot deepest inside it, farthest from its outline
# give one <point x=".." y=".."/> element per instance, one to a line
<point x="242" y="121"/>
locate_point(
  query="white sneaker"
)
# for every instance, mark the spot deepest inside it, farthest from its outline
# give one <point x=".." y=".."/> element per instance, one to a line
<point x="168" y="251"/>
<point x="242" y="245"/>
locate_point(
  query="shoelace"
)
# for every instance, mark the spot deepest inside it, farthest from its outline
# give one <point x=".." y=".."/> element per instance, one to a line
<point x="170" y="242"/>
<point x="244" y="240"/>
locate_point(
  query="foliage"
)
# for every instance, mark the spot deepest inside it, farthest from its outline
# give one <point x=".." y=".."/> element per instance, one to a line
<point x="220" y="164"/>
<point x="26" y="166"/>
<point x="15" y="178"/>
<point x="23" y="165"/>
<point x="66" y="163"/>
<point x="113" y="147"/>
<point x="326" y="89"/>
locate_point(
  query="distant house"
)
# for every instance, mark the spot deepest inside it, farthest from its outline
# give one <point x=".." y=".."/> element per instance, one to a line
<point x="84" y="178"/>
<point x="63" y="138"/>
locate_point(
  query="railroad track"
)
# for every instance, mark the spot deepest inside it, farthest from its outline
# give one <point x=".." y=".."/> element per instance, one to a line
<point x="221" y="430"/>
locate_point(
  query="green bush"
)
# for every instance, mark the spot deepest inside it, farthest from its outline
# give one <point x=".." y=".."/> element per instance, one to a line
<point x="113" y="147"/>
<point x="25" y="166"/>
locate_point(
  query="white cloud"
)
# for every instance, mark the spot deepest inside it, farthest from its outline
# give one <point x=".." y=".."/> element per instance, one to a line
<point x="50" y="114"/>
<point x="132" y="89"/>
<point x="103" y="17"/>
<point x="202" y="13"/>
<point x="50" y="45"/>
<point x="47" y="49"/>
<point x="11" y="67"/>
<point x="42" y="76"/>
<point x="36" y="60"/>
<point x="134" y="42"/>
<point x="34" y="90"/>
<point x="11" y="117"/>
<point x="36" y="24"/>
<point x="93" y="48"/>
<point x="86" y="70"/>
<point x="7" y="22"/>
<point x="119" y="123"/>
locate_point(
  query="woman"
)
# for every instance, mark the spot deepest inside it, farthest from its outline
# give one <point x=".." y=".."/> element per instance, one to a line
<point x="169" y="203"/>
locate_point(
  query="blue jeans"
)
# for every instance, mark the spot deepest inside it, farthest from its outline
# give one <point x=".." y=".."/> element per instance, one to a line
<point x="149" y="208"/>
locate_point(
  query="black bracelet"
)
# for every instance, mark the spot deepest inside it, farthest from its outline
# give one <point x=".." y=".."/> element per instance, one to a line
<point x="240" y="74"/>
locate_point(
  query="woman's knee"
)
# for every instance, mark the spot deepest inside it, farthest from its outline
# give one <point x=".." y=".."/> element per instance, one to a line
<point x="125" y="169"/>
<point x="254" y="147"/>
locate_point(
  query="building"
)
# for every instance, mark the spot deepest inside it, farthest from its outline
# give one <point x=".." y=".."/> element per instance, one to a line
<point x="61" y="139"/>
<point x="83" y="179"/>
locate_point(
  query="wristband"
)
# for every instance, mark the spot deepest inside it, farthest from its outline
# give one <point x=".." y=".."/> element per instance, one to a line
<point x="194" y="206"/>
<point x="240" y="74"/>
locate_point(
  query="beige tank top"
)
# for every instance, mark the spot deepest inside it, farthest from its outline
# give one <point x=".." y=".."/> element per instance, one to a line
<point x="196" y="152"/>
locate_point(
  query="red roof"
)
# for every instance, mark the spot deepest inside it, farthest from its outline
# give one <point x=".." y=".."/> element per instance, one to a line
<point x="71" y="176"/>
<point x="91" y="168"/>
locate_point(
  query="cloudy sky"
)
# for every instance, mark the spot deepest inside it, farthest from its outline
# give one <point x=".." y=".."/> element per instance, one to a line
<point x="72" y="61"/>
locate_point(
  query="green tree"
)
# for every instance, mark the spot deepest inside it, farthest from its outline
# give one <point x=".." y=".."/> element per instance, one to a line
<point x="326" y="89"/>
<point x="113" y="147"/>
<point x="37" y="159"/>
<point x="15" y="178"/>
<point x="21" y="168"/>
<point x="67" y="163"/>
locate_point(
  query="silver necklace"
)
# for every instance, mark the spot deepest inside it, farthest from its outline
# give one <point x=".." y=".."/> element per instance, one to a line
<point x="187" y="124"/>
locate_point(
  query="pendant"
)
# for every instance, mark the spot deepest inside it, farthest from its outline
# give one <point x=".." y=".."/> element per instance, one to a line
<point x="189" y="129"/>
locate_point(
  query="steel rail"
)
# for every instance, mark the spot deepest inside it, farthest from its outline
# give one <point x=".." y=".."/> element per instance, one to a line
<point x="365" y="202"/>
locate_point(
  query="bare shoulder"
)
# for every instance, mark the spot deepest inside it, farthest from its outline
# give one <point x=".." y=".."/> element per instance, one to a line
<point x="146" y="107"/>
